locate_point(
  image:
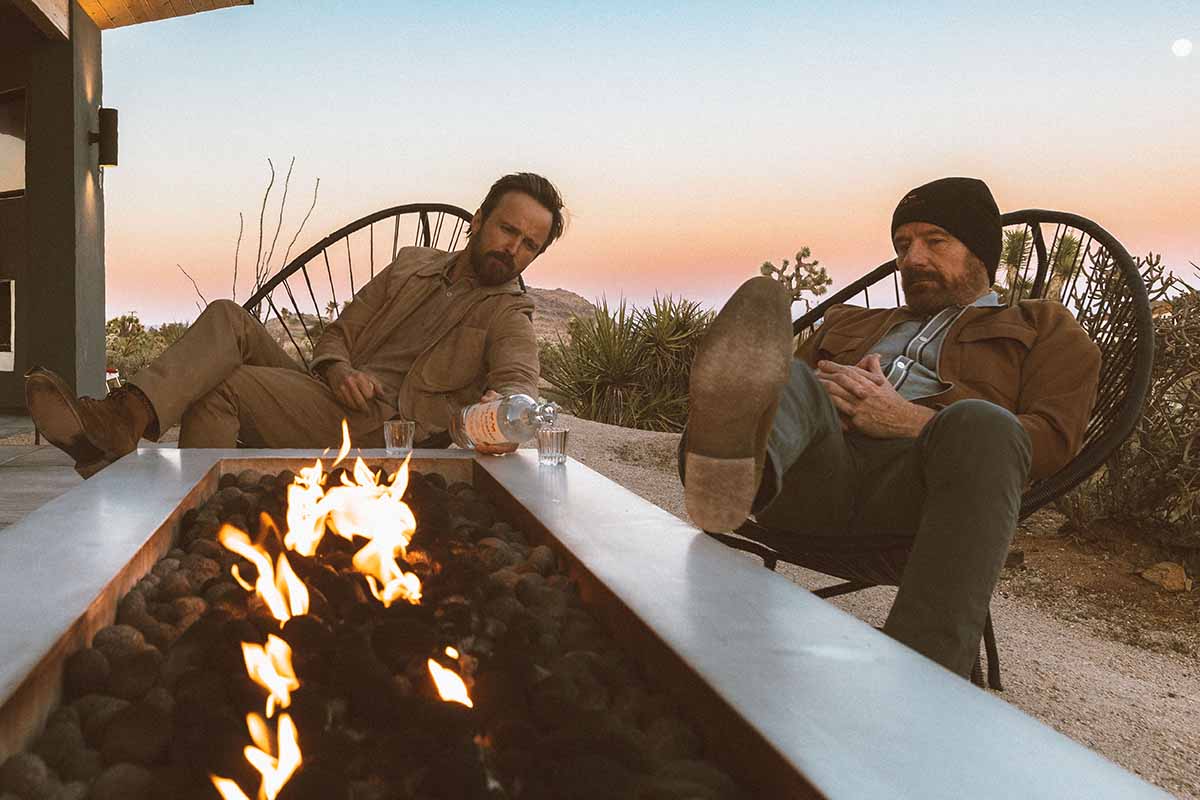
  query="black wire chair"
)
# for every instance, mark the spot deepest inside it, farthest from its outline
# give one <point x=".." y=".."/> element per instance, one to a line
<point x="1089" y="272"/>
<point x="313" y="287"/>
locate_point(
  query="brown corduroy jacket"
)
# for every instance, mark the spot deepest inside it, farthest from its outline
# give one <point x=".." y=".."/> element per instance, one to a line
<point x="1032" y="358"/>
<point x="486" y="341"/>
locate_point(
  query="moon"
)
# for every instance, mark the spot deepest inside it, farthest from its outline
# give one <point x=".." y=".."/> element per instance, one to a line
<point x="1182" y="47"/>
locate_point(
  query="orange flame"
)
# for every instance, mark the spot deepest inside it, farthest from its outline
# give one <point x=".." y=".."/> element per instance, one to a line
<point x="279" y="587"/>
<point x="305" y="514"/>
<point x="360" y="506"/>
<point x="275" y="770"/>
<point x="271" y="668"/>
<point x="345" y="444"/>
<point x="449" y="685"/>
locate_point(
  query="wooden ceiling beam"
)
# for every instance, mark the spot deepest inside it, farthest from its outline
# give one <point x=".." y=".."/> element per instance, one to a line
<point x="118" y="13"/>
<point x="52" y="17"/>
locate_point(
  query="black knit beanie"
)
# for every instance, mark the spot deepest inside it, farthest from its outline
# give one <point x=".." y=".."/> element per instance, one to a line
<point x="965" y="208"/>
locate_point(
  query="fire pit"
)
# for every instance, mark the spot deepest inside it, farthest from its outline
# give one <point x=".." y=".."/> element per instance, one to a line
<point x="791" y="697"/>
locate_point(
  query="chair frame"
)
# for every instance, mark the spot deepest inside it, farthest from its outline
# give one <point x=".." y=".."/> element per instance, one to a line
<point x="875" y="560"/>
<point x="431" y="219"/>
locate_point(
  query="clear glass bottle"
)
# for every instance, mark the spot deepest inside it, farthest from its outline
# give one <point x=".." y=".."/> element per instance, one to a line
<point x="510" y="420"/>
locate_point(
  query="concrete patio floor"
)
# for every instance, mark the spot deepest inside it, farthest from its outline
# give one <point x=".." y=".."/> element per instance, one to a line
<point x="30" y="476"/>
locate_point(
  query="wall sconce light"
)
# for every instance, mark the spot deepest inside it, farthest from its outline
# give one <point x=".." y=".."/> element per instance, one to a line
<point x="106" y="137"/>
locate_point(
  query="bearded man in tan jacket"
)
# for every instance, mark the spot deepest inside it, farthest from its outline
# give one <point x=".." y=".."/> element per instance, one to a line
<point x="430" y="333"/>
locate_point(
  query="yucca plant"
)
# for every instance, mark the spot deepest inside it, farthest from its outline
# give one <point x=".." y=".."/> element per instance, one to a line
<point x="626" y="366"/>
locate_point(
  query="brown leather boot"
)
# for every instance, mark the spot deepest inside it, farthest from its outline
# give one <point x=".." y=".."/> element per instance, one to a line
<point x="93" y="432"/>
<point x="737" y="377"/>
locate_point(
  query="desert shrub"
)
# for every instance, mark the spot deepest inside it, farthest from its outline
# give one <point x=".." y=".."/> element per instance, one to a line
<point x="626" y="366"/>
<point x="1154" y="477"/>
<point x="803" y="277"/>
<point x="129" y="345"/>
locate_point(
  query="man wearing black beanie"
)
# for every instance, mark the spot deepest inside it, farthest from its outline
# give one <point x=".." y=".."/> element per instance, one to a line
<point x="926" y="420"/>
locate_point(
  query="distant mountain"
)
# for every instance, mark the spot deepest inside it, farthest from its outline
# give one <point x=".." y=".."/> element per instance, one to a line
<point x="553" y="309"/>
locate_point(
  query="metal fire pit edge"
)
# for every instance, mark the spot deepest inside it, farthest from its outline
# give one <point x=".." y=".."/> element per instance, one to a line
<point x="794" y="697"/>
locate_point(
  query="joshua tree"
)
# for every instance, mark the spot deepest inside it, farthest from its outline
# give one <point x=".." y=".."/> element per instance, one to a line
<point x="801" y="278"/>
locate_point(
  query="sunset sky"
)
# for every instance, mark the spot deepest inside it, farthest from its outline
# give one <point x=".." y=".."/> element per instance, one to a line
<point x="691" y="141"/>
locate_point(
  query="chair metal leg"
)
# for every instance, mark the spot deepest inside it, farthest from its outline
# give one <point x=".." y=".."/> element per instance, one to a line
<point x="841" y="588"/>
<point x="993" y="655"/>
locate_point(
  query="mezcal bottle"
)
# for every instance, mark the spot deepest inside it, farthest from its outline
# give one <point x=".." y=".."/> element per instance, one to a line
<point x="510" y="420"/>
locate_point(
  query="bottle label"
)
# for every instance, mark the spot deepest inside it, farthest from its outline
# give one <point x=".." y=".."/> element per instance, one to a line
<point x="482" y="424"/>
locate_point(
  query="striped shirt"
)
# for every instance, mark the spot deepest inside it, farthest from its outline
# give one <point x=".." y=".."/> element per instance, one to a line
<point x="909" y="351"/>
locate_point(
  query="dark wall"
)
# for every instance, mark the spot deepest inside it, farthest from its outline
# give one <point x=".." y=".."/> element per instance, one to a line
<point x="60" y="298"/>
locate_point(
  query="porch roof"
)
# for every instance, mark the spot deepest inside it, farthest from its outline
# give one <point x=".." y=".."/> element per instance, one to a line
<point x="119" y="13"/>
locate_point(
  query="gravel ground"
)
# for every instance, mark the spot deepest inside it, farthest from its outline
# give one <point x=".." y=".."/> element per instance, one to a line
<point x="1134" y="706"/>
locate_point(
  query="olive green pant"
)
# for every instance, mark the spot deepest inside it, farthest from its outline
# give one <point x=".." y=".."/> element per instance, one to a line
<point x="956" y="488"/>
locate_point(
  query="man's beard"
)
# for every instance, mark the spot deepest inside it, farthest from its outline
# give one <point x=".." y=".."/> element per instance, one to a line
<point x="492" y="268"/>
<point x="936" y="293"/>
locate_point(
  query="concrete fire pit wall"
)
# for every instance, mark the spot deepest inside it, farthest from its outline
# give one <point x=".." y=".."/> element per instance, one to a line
<point x="795" y="697"/>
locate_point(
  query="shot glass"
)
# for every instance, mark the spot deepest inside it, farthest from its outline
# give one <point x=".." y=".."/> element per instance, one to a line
<point x="398" y="436"/>
<point x="552" y="445"/>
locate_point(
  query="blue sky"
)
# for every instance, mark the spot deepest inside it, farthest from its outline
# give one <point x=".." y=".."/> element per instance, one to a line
<point x="690" y="140"/>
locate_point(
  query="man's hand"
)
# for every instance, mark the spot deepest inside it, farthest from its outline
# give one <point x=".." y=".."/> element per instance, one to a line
<point x="353" y="388"/>
<point x="868" y="403"/>
<point x="493" y="449"/>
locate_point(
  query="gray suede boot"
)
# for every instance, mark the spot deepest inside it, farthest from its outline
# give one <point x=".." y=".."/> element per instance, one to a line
<point x="736" y="380"/>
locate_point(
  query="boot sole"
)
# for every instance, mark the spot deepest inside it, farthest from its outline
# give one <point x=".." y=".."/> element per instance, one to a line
<point x="51" y="405"/>
<point x="736" y="380"/>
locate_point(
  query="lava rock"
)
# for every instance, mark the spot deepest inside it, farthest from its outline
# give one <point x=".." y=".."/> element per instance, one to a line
<point x="589" y="777"/>
<point x="160" y="697"/>
<point x="75" y="790"/>
<point x="479" y="513"/>
<point x="248" y="479"/>
<point x="165" y="567"/>
<point x="502" y="608"/>
<point x="138" y="734"/>
<point x="159" y="634"/>
<point x="175" y="585"/>
<point x="134" y="676"/>
<point x="28" y="777"/>
<point x="133" y="609"/>
<point x="534" y="592"/>
<point x="95" y="712"/>
<point x="205" y="547"/>
<point x="64" y="715"/>
<point x="189" y="609"/>
<point x="118" y="642"/>
<point x="57" y="742"/>
<point x="81" y="765"/>
<point x="496" y="554"/>
<point x="86" y="671"/>
<point x="148" y="586"/>
<point x="688" y="779"/>
<point x="501" y="581"/>
<point x="122" y="782"/>
<point x="200" y="568"/>
<point x="669" y="738"/>
<point x="542" y="559"/>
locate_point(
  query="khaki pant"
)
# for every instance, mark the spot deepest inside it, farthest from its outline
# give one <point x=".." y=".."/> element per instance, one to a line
<point x="227" y="381"/>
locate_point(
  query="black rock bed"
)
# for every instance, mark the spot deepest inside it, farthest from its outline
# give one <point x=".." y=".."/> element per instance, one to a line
<point x="159" y="701"/>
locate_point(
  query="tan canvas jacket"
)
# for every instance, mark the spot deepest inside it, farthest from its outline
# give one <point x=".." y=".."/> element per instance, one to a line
<point x="1032" y="358"/>
<point x="485" y="342"/>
